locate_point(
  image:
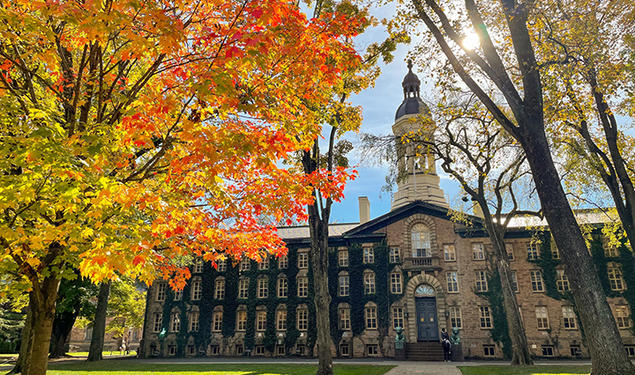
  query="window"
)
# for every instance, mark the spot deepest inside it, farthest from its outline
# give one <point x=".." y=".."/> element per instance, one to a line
<point x="478" y="252"/>
<point x="610" y="250"/>
<point x="193" y="321"/>
<point x="514" y="281"/>
<point x="303" y="286"/>
<point x="394" y="255"/>
<point x="555" y="253"/>
<point x="395" y="282"/>
<point x="239" y="349"/>
<point x="171" y="349"/>
<point x="369" y="282"/>
<point x="488" y="350"/>
<point x="219" y="288"/>
<point x="161" y="288"/>
<point x="372" y="349"/>
<point x="264" y="264"/>
<point x="481" y="281"/>
<point x="547" y="350"/>
<point x="449" y="253"/>
<point x="370" y="313"/>
<point x="568" y="317"/>
<point x="452" y="282"/>
<point x="175" y="322"/>
<point x="241" y="320"/>
<point x="157" y="322"/>
<point x="260" y="349"/>
<point x="198" y="266"/>
<point x="261" y="320"/>
<point x="630" y="350"/>
<point x="562" y="281"/>
<point x="342" y="258"/>
<point x="622" y="316"/>
<point x="397" y="317"/>
<point x="344" y="285"/>
<point x="243" y="288"/>
<point x="420" y="241"/>
<point x="303" y="260"/>
<point x="302" y="319"/>
<point x="486" y="317"/>
<point x="536" y="281"/>
<point x="345" y="318"/>
<point x="214" y="349"/>
<point x="509" y="249"/>
<point x="283" y="287"/>
<point x="281" y="320"/>
<point x="178" y="295"/>
<point x="532" y="251"/>
<point x="221" y="265"/>
<point x="344" y="350"/>
<point x="615" y="277"/>
<point x="263" y="287"/>
<point x="245" y="264"/>
<point x="283" y="262"/>
<point x="542" y="317"/>
<point x="217" y="321"/>
<point x="197" y="290"/>
<point x="369" y="255"/>
<point x="455" y="317"/>
<point x="281" y="350"/>
<point x="575" y="350"/>
<point x="190" y="350"/>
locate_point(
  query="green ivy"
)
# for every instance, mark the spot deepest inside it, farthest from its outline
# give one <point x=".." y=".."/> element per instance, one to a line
<point x="494" y="296"/>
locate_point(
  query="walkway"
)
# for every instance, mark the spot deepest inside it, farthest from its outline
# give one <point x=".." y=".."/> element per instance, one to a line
<point x="424" y="368"/>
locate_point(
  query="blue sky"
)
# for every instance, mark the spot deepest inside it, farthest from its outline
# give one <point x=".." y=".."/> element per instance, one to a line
<point x="379" y="105"/>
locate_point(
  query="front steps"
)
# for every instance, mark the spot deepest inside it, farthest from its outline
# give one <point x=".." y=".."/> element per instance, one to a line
<point x="424" y="351"/>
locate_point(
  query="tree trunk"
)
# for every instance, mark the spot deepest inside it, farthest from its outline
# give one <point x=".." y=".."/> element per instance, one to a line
<point x="26" y="338"/>
<point x="520" y="348"/>
<point x="42" y="303"/>
<point x="319" y="262"/>
<point x="99" y="325"/>
<point x="608" y="356"/>
<point x="62" y="327"/>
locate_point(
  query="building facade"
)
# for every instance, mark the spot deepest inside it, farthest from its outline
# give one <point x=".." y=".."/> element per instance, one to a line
<point x="412" y="267"/>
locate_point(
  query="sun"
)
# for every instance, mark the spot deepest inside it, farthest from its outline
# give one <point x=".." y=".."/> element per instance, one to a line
<point x="471" y="41"/>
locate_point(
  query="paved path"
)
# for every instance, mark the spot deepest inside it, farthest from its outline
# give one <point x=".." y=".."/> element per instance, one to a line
<point x="425" y="368"/>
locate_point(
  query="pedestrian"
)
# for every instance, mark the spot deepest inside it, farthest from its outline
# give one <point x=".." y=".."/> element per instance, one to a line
<point x="447" y="345"/>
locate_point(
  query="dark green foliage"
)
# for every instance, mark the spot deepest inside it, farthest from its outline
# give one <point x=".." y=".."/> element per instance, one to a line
<point x="494" y="296"/>
<point x="11" y="323"/>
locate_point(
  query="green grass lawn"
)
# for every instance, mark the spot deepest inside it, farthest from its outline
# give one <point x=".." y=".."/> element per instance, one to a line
<point x="525" y="370"/>
<point x="135" y="368"/>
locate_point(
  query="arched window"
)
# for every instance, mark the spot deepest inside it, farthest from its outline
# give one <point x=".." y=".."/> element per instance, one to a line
<point x="369" y="282"/>
<point x="283" y="286"/>
<point x="175" y="320"/>
<point x="370" y="315"/>
<point x="420" y="241"/>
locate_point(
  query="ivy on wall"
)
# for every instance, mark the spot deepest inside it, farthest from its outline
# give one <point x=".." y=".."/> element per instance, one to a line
<point x="494" y="296"/>
<point x="356" y="300"/>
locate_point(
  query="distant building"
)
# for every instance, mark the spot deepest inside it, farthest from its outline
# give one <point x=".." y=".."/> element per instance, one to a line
<point x="80" y="339"/>
<point x="412" y="267"/>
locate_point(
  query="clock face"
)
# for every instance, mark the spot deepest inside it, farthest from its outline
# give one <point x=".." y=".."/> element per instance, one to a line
<point x="425" y="290"/>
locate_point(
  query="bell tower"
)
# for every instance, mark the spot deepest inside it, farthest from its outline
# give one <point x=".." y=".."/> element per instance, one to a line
<point x="417" y="176"/>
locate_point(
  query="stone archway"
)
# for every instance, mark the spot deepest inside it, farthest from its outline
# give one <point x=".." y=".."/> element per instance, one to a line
<point x="413" y="283"/>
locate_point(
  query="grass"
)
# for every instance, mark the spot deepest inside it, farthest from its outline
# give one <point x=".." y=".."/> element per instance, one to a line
<point x="525" y="370"/>
<point x="125" y="367"/>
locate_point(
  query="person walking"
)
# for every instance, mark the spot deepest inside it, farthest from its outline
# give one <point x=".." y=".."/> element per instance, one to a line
<point x="447" y="345"/>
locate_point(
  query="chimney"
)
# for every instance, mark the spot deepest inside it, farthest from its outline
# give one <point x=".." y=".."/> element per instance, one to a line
<point x="364" y="209"/>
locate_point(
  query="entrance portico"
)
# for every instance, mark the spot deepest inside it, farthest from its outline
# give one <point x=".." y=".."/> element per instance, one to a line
<point x="425" y="306"/>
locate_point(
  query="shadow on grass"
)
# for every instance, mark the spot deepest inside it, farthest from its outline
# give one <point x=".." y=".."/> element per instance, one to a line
<point x="129" y="367"/>
<point x="526" y="370"/>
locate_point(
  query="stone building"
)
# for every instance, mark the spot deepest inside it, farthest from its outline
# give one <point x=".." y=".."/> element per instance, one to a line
<point x="412" y="267"/>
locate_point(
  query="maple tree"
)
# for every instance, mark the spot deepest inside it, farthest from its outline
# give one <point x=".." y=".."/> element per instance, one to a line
<point x="138" y="133"/>
<point x="503" y="70"/>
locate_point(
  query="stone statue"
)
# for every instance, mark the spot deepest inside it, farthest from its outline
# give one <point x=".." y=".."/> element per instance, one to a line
<point x="455" y="338"/>
<point x="400" y="339"/>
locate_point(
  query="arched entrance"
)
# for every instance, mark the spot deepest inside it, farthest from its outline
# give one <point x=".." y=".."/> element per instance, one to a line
<point x="426" y="313"/>
<point x="425" y="299"/>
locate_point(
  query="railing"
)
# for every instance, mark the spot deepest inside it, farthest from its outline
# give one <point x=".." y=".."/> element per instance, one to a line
<point x="421" y="263"/>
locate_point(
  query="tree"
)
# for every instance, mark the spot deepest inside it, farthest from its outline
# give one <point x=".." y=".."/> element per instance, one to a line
<point x="134" y="133"/>
<point x="125" y="308"/>
<point x="587" y="69"/>
<point x="74" y="301"/>
<point x="509" y="72"/>
<point x="340" y="117"/>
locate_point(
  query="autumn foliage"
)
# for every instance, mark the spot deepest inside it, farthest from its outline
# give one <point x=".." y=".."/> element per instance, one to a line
<point x="136" y="134"/>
